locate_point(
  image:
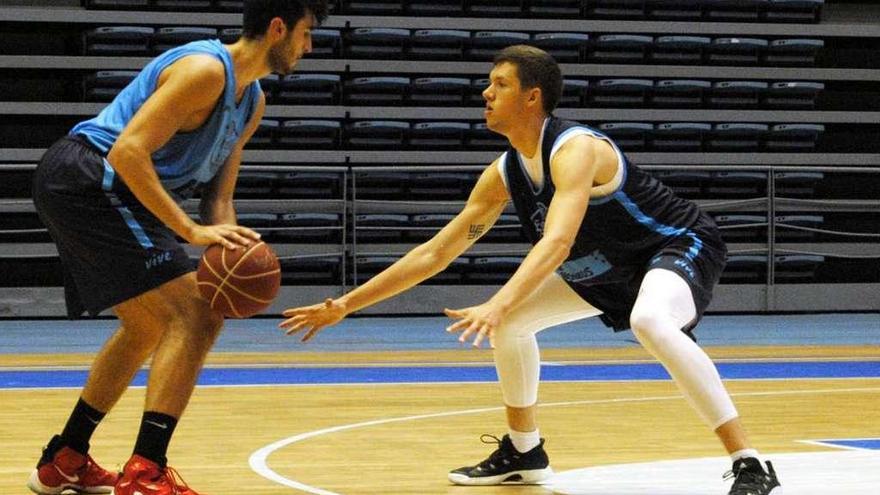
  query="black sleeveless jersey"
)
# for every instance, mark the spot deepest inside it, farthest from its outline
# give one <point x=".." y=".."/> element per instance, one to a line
<point x="621" y="232"/>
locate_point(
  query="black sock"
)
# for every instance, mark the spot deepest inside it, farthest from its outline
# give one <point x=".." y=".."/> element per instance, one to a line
<point x="80" y="426"/>
<point x="154" y="436"/>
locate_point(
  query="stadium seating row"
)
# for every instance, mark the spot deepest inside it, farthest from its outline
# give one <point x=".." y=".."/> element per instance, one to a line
<point x="333" y="89"/>
<point x="317" y="134"/>
<point x="454" y="44"/>
<point x="713" y="10"/>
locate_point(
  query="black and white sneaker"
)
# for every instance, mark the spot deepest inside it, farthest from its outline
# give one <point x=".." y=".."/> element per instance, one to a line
<point x="749" y="478"/>
<point x="506" y="466"/>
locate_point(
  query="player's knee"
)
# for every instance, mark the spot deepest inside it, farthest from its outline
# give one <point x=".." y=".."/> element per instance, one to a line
<point x="648" y="327"/>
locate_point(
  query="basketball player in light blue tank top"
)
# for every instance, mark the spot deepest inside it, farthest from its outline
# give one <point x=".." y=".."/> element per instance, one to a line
<point x="109" y="194"/>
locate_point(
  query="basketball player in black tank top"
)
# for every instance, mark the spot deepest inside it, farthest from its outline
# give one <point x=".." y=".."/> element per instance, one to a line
<point x="608" y="240"/>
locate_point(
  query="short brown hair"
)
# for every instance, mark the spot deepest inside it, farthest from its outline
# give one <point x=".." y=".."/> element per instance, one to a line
<point x="536" y="69"/>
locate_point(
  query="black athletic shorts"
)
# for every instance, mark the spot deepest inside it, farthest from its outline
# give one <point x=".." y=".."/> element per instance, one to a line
<point x="111" y="247"/>
<point x="701" y="271"/>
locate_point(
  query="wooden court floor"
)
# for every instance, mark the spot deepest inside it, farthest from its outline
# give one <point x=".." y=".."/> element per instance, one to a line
<point x="403" y="438"/>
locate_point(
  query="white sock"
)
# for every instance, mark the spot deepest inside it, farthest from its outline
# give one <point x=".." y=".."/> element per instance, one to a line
<point x="525" y="441"/>
<point x="744" y="453"/>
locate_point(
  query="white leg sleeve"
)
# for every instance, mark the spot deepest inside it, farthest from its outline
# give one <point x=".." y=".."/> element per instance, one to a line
<point x="517" y="359"/>
<point x="665" y="305"/>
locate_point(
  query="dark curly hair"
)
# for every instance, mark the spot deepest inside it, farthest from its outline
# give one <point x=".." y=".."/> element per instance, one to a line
<point x="258" y="14"/>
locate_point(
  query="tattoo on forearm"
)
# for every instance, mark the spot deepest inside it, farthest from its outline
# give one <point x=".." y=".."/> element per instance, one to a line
<point x="475" y="231"/>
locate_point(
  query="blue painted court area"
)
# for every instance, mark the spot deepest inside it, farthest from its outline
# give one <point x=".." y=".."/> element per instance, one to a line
<point x="226" y="376"/>
<point x="855" y="443"/>
<point x="427" y="333"/>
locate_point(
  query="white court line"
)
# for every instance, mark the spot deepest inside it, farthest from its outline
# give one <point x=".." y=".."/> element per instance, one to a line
<point x="258" y="460"/>
<point x="833" y="445"/>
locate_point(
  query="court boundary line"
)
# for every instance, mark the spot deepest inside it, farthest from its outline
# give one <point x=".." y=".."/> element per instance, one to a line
<point x="258" y="460"/>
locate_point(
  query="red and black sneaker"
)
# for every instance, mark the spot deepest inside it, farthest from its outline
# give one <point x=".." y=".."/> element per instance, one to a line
<point x="62" y="468"/>
<point x="145" y="477"/>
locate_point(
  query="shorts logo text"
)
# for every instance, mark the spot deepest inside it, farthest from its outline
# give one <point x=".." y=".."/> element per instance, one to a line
<point x="158" y="259"/>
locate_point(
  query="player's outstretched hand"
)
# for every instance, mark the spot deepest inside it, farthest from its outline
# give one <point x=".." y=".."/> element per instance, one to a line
<point x="479" y="322"/>
<point x="228" y="235"/>
<point x="313" y="318"/>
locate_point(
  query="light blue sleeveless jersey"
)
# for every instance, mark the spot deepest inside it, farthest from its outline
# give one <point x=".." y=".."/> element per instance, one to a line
<point x="188" y="159"/>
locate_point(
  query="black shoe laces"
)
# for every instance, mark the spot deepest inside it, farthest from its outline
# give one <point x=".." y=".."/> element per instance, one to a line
<point x="497" y="457"/>
<point x="746" y="481"/>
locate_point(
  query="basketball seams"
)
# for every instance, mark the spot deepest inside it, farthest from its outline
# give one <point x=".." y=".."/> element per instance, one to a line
<point x="230" y="276"/>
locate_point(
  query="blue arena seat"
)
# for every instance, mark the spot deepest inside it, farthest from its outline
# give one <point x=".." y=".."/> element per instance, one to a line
<point x="106" y="84"/>
<point x="257" y="221"/>
<point x="439" y="44"/>
<point x="378" y="43"/>
<point x="309" y="89"/>
<point x="574" y="92"/>
<point x="802" y="52"/>
<point x="264" y="136"/>
<point x="435" y="91"/>
<point x="485" y="44"/>
<point x="685" y="183"/>
<point x="676" y="10"/>
<point x="229" y="5"/>
<point x="22" y="226"/>
<point x="116" y="4"/>
<point x="379" y="90"/>
<point x="741" y="94"/>
<point x="119" y="40"/>
<point x="309" y="184"/>
<point x="374" y="7"/>
<point x="679" y="92"/>
<point x="793" y="94"/>
<point x="680" y="49"/>
<point x="800" y="11"/>
<point x="308" y="227"/>
<point x="741" y="184"/>
<point x="624" y="48"/>
<point x="480" y="137"/>
<point x="628" y="9"/>
<point x="31" y="271"/>
<point x="311" y="270"/>
<point x="269" y="85"/>
<point x="253" y="184"/>
<point x="565" y="47"/>
<point x="305" y="134"/>
<point x="737" y="51"/>
<point x="325" y="43"/>
<point x="737" y="136"/>
<point x="183" y="5"/>
<point x="494" y="8"/>
<point x="797" y="184"/>
<point x="376" y="133"/>
<point x="230" y="35"/>
<point x="796" y="227"/>
<point x="621" y="92"/>
<point x="493" y="269"/>
<point x="169" y="37"/>
<point x="745" y="269"/>
<point x="742" y="227"/>
<point x="794" y="137"/>
<point x="679" y="136"/>
<point x="380" y="184"/>
<point x="628" y="135"/>
<point x="438" y="135"/>
<point x="435" y="7"/>
<point x="734" y="10"/>
<point x="440" y="185"/>
<point x="380" y="227"/>
<point x="560" y="9"/>
<point x="797" y="268"/>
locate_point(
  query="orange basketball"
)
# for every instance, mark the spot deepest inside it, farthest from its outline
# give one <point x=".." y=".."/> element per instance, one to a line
<point x="239" y="283"/>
